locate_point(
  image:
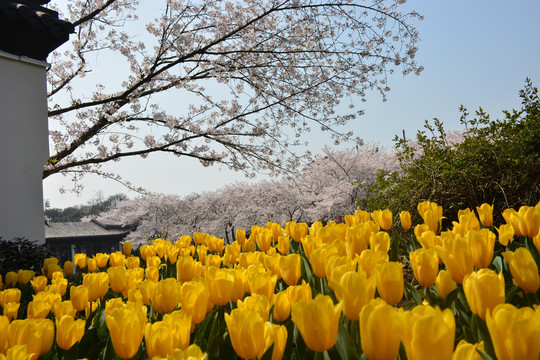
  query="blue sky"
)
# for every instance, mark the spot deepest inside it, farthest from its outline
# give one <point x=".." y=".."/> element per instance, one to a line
<point x="475" y="53"/>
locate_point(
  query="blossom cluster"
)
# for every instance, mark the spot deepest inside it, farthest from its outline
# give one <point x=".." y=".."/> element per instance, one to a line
<point x="364" y="288"/>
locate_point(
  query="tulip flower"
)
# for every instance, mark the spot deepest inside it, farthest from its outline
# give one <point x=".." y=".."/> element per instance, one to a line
<point x="180" y="322"/>
<point x="279" y="338"/>
<point x="289" y="268"/>
<point x="24" y="276"/>
<point x="283" y="244"/>
<point x="165" y="295"/>
<point x="282" y="306"/>
<point x="425" y="264"/>
<point x="220" y="285"/>
<point x="258" y="303"/>
<point x="390" y="281"/>
<point x="248" y="332"/>
<point x="36" y="334"/>
<point x="11" y="295"/>
<point x="485" y="213"/>
<point x="297" y="230"/>
<point x="158" y="338"/>
<point x="195" y="300"/>
<point x="383" y="218"/>
<point x="79" y="297"/>
<point x="484" y="290"/>
<point x="514" y="332"/>
<point x="4" y="332"/>
<point x="17" y="352"/>
<point x="38" y="309"/>
<point x="11" y="278"/>
<point x="126" y="328"/>
<point x="433" y="219"/>
<point x="39" y="283"/>
<point x="355" y="290"/>
<point x="444" y="283"/>
<point x="126" y="248"/>
<point x="317" y="321"/>
<point x="506" y="234"/>
<point x="299" y="292"/>
<point x="426" y="332"/>
<point x="69" y="266"/>
<point x="263" y="284"/>
<point x="64" y="308"/>
<point x="69" y="331"/>
<point x="379" y="341"/>
<point x="116" y="259"/>
<point x="80" y="260"/>
<point x="482" y="243"/>
<point x="457" y="257"/>
<point x="117" y="278"/>
<point x="523" y="269"/>
<point x="101" y="260"/>
<point x="405" y="218"/>
<point x="379" y="241"/>
<point x="357" y="237"/>
<point x="369" y="259"/>
<point x="467" y="351"/>
<point x="11" y="310"/>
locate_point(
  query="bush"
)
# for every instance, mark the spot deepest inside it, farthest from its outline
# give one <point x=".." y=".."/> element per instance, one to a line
<point x="496" y="162"/>
<point x="22" y="254"/>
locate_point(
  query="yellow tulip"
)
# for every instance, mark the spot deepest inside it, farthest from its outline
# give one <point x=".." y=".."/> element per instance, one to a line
<point x="180" y="322"/>
<point x="467" y="351"/>
<point x="126" y="248"/>
<point x="193" y="352"/>
<point x="11" y="310"/>
<point x="369" y="259"/>
<point x="425" y="264"/>
<point x="117" y="278"/>
<point x="246" y="324"/>
<point x="24" y="276"/>
<point x="297" y="230"/>
<point x="11" y="278"/>
<point x="523" y="269"/>
<point x="39" y="283"/>
<point x="444" y="283"/>
<point x="355" y="290"/>
<point x="282" y="306"/>
<point x="390" y="281"/>
<point x="80" y="260"/>
<point x="60" y="283"/>
<point x="426" y="332"/>
<point x="195" y="299"/>
<point x="433" y="219"/>
<point x="263" y="284"/>
<point x="457" y="257"/>
<point x="283" y="244"/>
<point x="64" y="308"/>
<point x="482" y="244"/>
<point x="97" y="284"/>
<point x="506" y="234"/>
<point x="11" y="295"/>
<point x="116" y="259"/>
<point x="289" y="268"/>
<point x="405" y="218"/>
<point x="4" y="333"/>
<point x="279" y="338"/>
<point x="485" y="213"/>
<point x="69" y="266"/>
<point x="36" y="334"/>
<point x="484" y="290"/>
<point x="357" y="237"/>
<point x="79" y="297"/>
<point x="17" y="352"/>
<point x="158" y="338"/>
<point x="126" y="328"/>
<point x="38" y="309"/>
<point x="514" y="332"/>
<point x="92" y="265"/>
<point x="379" y="341"/>
<point x="383" y="218"/>
<point x="133" y="262"/>
<point x="165" y="295"/>
<point x="317" y="321"/>
<point x="379" y="241"/>
<point x="220" y="285"/>
<point x="101" y="259"/>
<point x="69" y="331"/>
<point x="152" y="273"/>
<point x="258" y="303"/>
<point x="299" y="292"/>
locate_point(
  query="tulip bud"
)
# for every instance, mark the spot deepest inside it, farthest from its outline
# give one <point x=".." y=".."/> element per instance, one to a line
<point x="80" y="260"/>
<point x="457" y="257"/>
<point x="378" y="342"/>
<point x="425" y="264"/>
<point x="282" y="306"/>
<point x="485" y="213"/>
<point x="247" y="324"/>
<point x="69" y="266"/>
<point x="468" y="351"/>
<point x="195" y="300"/>
<point x="405" y="218"/>
<point x="289" y="268"/>
<point x="523" y="269"/>
<point x="506" y="234"/>
<point x="258" y="303"/>
<point x="484" y="290"/>
<point x="24" y="276"/>
<point x="322" y="335"/>
<point x="444" y="283"/>
<point x="383" y="218"/>
<point x="165" y="295"/>
<point x="159" y="340"/>
<point x="126" y="248"/>
<point x="126" y="328"/>
<point x="355" y="290"/>
<point x="69" y="331"/>
<point x="39" y="283"/>
<point x="390" y="282"/>
<point x="79" y="297"/>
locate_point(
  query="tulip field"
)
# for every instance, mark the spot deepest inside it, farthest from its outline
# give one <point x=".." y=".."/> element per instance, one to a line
<point x="371" y="287"/>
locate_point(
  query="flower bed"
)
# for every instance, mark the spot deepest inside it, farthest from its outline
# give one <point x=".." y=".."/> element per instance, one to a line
<point x="328" y="292"/>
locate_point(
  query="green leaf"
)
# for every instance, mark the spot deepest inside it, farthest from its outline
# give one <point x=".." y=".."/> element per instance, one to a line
<point x="345" y="345"/>
<point x="411" y="293"/>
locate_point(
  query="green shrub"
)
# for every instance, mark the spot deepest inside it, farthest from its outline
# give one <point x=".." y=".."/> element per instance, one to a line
<point x="498" y="162"/>
<point x="22" y="254"/>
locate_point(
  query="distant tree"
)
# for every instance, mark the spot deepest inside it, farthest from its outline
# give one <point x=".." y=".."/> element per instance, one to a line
<point x="252" y="77"/>
<point x="92" y="209"/>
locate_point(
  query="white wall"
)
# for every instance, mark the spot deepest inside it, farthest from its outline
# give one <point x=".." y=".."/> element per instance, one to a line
<point x="23" y="147"/>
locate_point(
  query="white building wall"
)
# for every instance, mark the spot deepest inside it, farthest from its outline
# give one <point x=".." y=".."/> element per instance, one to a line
<point x="23" y="147"/>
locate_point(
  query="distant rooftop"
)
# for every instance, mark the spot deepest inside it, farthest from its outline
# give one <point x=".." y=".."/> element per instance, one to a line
<point x="93" y="228"/>
<point x="31" y="30"/>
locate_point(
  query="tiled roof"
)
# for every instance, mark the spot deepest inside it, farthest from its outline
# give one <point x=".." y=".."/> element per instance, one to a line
<point x="28" y="29"/>
<point x="62" y="230"/>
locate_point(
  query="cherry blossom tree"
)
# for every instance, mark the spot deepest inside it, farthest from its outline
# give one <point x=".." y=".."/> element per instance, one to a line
<point x="250" y="77"/>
